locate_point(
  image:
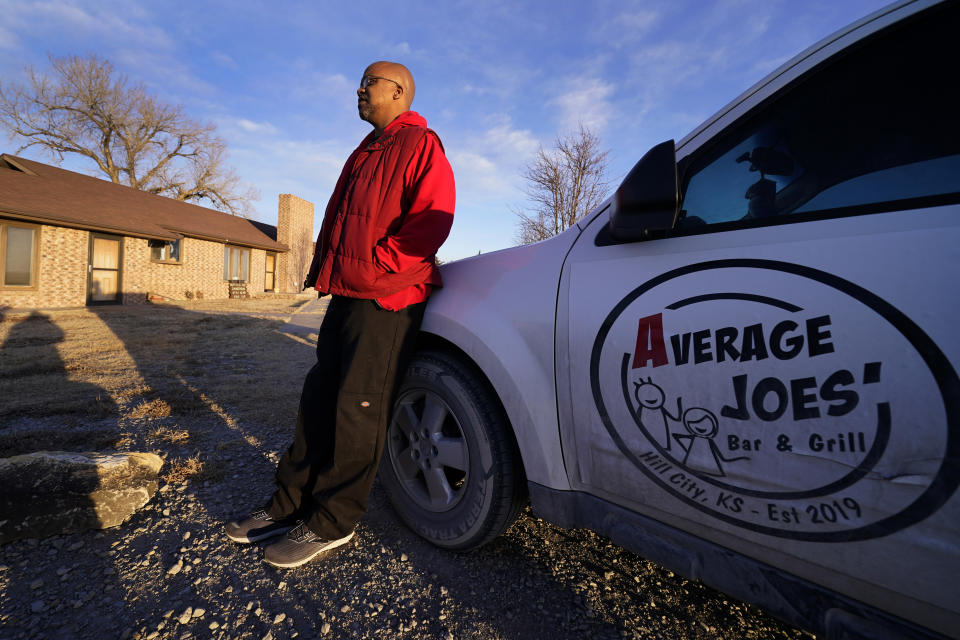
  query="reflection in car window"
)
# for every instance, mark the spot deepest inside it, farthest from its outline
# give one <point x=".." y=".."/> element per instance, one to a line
<point x="872" y="128"/>
<point x="914" y="180"/>
<point x="743" y="182"/>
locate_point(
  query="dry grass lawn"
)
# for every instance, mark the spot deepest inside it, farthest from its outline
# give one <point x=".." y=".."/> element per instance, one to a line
<point x="186" y="381"/>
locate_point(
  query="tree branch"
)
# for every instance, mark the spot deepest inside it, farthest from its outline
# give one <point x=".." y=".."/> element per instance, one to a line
<point x="82" y="106"/>
<point x="563" y="185"/>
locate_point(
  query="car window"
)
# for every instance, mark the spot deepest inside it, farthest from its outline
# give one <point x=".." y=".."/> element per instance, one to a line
<point x="873" y="131"/>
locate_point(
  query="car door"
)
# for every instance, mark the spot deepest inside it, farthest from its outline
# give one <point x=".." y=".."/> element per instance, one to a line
<point x="777" y="373"/>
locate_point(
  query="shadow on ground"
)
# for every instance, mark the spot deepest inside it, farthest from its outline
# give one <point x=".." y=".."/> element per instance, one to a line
<point x="208" y="392"/>
<point x="216" y="396"/>
<point x="39" y="397"/>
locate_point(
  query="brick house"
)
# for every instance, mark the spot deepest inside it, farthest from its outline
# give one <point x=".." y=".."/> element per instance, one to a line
<point x="68" y="240"/>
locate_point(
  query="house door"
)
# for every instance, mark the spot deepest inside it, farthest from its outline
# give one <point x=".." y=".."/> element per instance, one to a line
<point x="103" y="281"/>
<point x="269" y="278"/>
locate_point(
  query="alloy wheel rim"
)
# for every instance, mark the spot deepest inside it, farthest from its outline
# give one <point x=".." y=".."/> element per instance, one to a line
<point x="428" y="451"/>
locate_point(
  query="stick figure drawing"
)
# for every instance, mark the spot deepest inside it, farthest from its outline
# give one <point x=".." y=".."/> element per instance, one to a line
<point x="652" y="412"/>
<point x="702" y="453"/>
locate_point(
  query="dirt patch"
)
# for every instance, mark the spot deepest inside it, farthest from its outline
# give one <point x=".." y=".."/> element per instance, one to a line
<point x="212" y="387"/>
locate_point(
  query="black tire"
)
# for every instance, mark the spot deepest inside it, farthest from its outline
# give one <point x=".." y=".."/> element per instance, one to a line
<point x="445" y="417"/>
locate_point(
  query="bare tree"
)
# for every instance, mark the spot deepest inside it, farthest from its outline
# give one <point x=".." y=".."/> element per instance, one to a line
<point x="84" y="107"/>
<point x="564" y="184"/>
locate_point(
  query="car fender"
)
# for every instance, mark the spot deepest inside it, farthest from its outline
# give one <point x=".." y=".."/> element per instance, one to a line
<point x="499" y="309"/>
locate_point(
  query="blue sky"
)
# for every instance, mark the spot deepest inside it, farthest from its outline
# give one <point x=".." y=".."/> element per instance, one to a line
<point x="495" y="79"/>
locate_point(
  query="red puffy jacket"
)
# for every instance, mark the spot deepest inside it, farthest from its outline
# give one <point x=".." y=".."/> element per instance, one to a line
<point x="391" y="210"/>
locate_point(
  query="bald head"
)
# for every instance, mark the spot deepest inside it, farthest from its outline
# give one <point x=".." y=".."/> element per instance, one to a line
<point x="387" y="92"/>
<point x="399" y="74"/>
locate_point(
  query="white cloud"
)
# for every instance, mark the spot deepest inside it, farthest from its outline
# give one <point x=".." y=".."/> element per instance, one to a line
<point x="480" y="179"/>
<point x="473" y="163"/>
<point x="497" y="80"/>
<point x="637" y="22"/>
<point x="224" y="60"/>
<point x="661" y="73"/>
<point x="313" y="162"/>
<point x="488" y="164"/>
<point x="511" y="142"/>
<point x="588" y="102"/>
<point x="307" y="168"/>
<point x="124" y="33"/>
<point x="667" y="64"/>
<point x="168" y="76"/>
<point x="8" y="40"/>
<point x="622" y="29"/>
<point x="103" y="23"/>
<point x="332" y="88"/>
<point x="472" y="89"/>
<point x="337" y="83"/>
<point x="256" y="127"/>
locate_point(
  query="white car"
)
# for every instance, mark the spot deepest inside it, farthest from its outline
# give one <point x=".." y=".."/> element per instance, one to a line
<point x="744" y="364"/>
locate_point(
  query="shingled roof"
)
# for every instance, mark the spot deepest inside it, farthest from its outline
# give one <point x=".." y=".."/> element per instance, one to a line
<point x="37" y="192"/>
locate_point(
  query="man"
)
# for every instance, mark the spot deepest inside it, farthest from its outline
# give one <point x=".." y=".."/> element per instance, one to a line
<point x="390" y="211"/>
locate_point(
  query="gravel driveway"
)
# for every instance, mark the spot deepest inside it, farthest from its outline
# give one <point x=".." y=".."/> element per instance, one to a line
<point x="168" y="572"/>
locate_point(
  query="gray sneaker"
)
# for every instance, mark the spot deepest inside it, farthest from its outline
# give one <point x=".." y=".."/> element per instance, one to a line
<point x="258" y="526"/>
<point x="300" y="547"/>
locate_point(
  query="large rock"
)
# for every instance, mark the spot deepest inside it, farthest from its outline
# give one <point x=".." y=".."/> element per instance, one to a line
<point x="51" y="492"/>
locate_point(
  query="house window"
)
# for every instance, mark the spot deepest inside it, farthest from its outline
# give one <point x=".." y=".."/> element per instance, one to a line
<point x="165" y="251"/>
<point x="236" y="263"/>
<point x="18" y="254"/>
<point x="270" y="272"/>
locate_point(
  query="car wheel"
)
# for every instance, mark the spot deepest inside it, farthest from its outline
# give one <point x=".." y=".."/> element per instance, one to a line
<point x="450" y="465"/>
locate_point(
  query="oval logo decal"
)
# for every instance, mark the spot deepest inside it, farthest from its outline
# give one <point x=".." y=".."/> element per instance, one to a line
<point x="781" y="399"/>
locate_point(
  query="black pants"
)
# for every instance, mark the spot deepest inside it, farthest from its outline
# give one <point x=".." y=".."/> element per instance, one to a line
<point x="326" y="474"/>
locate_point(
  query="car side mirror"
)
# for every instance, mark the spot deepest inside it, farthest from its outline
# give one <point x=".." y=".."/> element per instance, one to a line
<point x="648" y="199"/>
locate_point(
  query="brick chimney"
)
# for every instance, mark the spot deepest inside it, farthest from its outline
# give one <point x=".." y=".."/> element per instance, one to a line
<point x="294" y="229"/>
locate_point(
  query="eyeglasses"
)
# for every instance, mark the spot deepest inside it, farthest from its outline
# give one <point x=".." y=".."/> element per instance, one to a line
<point x="366" y="81"/>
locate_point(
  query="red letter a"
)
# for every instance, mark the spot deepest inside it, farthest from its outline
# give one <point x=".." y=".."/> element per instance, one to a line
<point x="650" y="342"/>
